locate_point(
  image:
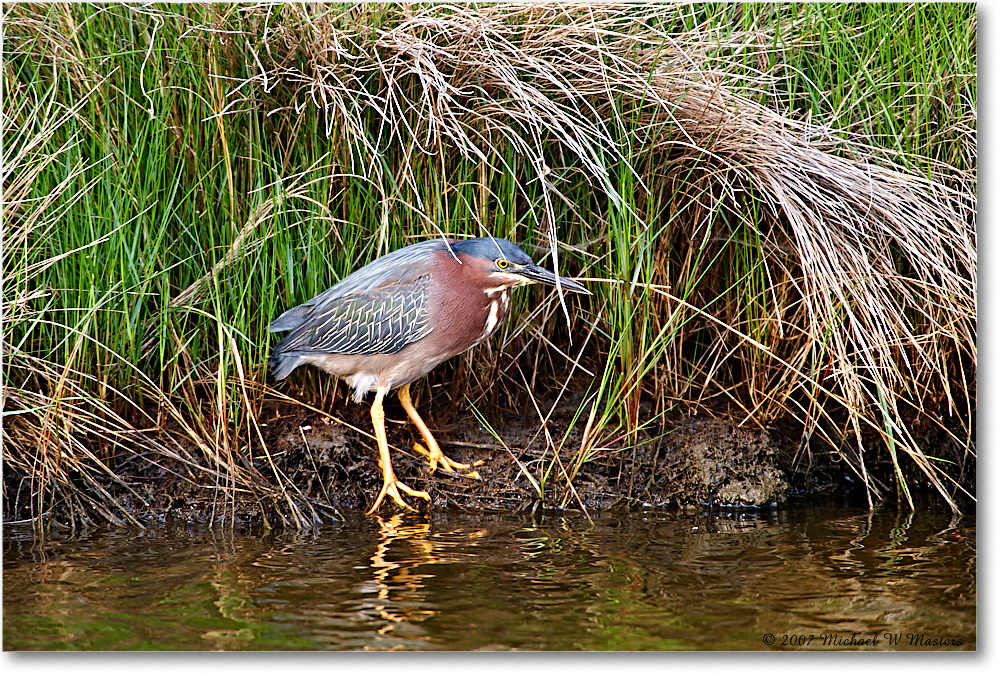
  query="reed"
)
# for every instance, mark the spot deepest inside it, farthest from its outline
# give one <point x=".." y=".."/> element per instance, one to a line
<point x="774" y="204"/>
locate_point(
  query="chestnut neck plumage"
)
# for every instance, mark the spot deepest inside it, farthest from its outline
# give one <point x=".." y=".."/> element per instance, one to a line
<point x="475" y="303"/>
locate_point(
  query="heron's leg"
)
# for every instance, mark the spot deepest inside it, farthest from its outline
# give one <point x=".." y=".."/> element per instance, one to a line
<point x="390" y="486"/>
<point x="433" y="451"/>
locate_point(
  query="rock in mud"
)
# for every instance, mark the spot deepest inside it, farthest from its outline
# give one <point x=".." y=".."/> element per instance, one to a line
<point x="729" y="466"/>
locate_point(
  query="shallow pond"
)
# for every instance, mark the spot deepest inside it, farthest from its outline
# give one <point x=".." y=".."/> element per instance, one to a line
<point x="795" y="579"/>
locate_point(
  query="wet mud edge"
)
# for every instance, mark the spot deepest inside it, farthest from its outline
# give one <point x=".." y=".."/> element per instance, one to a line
<point x="327" y="463"/>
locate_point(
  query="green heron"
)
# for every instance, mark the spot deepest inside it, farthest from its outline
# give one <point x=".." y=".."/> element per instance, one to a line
<point x="395" y="319"/>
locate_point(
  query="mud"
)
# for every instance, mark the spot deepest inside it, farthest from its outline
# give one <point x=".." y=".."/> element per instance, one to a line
<point x="701" y="461"/>
<point x="704" y="461"/>
<point x="328" y="463"/>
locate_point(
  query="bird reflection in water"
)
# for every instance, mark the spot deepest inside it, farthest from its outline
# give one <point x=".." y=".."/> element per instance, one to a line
<point x="402" y="564"/>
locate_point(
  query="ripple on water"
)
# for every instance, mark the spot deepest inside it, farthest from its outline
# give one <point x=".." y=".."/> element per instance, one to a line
<point x="498" y="582"/>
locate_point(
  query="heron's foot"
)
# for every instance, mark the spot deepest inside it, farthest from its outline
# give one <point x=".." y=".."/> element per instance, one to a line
<point x="391" y="487"/>
<point x="435" y="456"/>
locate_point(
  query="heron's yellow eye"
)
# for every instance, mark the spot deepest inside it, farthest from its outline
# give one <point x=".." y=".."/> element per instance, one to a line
<point x="502" y="264"/>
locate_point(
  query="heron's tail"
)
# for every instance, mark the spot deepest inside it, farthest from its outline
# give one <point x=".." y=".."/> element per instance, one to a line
<point x="283" y="364"/>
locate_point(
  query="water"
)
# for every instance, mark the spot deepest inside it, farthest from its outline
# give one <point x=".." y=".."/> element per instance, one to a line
<point x="798" y="579"/>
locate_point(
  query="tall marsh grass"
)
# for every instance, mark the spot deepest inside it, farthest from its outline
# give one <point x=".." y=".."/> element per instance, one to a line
<point x="774" y="205"/>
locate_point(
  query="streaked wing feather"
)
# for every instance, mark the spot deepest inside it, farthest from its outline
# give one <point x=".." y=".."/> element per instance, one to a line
<point x="397" y="268"/>
<point x="380" y="320"/>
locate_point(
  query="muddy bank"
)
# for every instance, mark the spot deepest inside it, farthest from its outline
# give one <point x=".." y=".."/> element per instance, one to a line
<point x="328" y="463"/>
<point x="701" y="461"/>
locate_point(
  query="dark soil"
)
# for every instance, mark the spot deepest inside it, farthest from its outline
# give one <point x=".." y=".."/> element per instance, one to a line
<point x="703" y="461"/>
<point x="328" y="465"/>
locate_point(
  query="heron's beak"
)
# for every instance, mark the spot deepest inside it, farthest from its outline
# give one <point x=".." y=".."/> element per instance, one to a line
<point x="543" y="276"/>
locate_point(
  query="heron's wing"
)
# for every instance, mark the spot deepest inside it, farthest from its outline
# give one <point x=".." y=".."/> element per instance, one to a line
<point x="379" y="320"/>
<point x="399" y="268"/>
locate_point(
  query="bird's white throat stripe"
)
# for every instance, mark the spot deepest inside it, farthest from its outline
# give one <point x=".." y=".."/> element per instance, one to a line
<point x="509" y="281"/>
<point x="499" y="302"/>
<point x="494" y="316"/>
